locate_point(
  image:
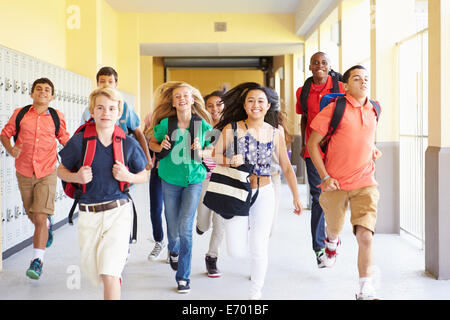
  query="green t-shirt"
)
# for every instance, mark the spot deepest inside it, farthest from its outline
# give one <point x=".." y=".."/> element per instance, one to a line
<point x="178" y="167"/>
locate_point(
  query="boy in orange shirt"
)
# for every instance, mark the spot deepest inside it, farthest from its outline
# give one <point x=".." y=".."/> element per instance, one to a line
<point x="347" y="174"/>
<point x="35" y="162"/>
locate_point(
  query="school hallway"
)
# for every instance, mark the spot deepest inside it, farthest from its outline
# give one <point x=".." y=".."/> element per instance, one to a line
<point x="292" y="273"/>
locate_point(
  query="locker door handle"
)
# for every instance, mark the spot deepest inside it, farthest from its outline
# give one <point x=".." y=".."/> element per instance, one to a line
<point x="16" y="86"/>
<point x="24" y="87"/>
<point x="1" y="82"/>
<point x="8" y="85"/>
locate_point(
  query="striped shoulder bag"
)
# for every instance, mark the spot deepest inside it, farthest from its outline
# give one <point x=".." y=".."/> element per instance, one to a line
<point x="229" y="192"/>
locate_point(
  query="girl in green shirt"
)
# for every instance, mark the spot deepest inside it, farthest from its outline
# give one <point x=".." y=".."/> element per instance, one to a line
<point x="181" y="176"/>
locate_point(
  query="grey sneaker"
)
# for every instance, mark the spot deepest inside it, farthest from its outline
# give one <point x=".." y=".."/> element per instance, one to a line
<point x="211" y="267"/>
<point x="183" y="287"/>
<point x="320" y="257"/>
<point x="173" y="260"/>
<point x="157" y="250"/>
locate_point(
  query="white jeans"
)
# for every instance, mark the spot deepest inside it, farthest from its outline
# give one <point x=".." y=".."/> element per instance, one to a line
<point x="204" y="218"/>
<point x="252" y="233"/>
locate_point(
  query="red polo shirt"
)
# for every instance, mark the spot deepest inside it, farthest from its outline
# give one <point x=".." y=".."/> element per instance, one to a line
<point x="316" y="92"/>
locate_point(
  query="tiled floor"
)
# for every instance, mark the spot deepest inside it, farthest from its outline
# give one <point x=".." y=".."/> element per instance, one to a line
<point x="292" y="271"/>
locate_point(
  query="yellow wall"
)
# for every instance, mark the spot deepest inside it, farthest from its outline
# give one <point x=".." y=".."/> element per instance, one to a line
<point x="146" y="85"/>
<point x="36" y="28"/>
<point x="82" y="46"/>
<point x="439" y="74"/>
<point x="326" y="43"/>
<point x="109" y="42"/>
<point x="356" y="26"/>
<point x="384" y="66"/>
<point x="208" y="80"/>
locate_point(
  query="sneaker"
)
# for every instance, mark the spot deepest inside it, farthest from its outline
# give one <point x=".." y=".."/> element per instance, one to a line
<point x="330" y="255"/>
<point x="211" y="267"/>
<point x="50" y="232"/>
<point x="173" y="260"/>
<point x="367" y="292"/>
<point x="156" y="252"/>
<point x="255" y="295"/>
<point x="200" y="232"/>
<point x="320" y="257"/>
<point x="35" y="269"/>
<point x="183" y="287"/>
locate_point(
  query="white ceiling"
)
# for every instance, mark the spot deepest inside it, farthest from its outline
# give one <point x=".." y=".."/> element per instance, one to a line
<point x="216" y="6"/>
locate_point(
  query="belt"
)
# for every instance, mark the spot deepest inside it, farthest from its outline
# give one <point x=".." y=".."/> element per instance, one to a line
<point x="103" y="207"/>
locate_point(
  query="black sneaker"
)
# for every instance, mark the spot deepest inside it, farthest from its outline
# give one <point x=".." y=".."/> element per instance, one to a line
<point x="173" y="260"/>
<point x="200" y="232"/>
<point x="183" y="287"/>
<point x="211" y="267"/>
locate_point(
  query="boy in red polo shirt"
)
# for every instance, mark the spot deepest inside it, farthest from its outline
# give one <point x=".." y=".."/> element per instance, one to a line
<point x="321" y="84"/>
<point x="35" y="154"/>
<point x="347" y="174"/>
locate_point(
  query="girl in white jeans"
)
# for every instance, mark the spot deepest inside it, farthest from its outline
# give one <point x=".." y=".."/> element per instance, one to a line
<point x="248" y="105"/>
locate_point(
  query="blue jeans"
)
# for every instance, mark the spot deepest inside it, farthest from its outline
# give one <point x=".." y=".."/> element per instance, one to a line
<point x="180" y="205"/>
<point x="156" y="205"/>
<point x="317" y="218"/>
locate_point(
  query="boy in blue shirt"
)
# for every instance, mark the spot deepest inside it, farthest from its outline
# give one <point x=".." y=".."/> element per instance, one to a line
<point x="105" y="212"/>
<point x="129" y="120"/>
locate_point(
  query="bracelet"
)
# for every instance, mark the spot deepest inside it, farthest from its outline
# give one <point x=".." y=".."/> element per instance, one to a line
<point x="325" y="178"/>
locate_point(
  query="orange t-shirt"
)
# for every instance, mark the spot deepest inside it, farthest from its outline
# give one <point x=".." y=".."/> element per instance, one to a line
<point x="349" y="157"/>
<point x="316" y="92"/>
<point x="37" y="137"/>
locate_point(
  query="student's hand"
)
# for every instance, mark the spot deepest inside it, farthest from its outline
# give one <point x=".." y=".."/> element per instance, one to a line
<point x="376" y="153"/>
<point x="148" y="166"/>
<point x="302" y="151"/>
<point x="330" y="184"/>
<point x="297" y="206"/>
<point x="165" y="144"/>
<point x="120" y="172"/>
<point x="16" y="150"/>
<point x="84" y="175"/>
<point x="196" y="145"/>
<point x="237" y="160"/>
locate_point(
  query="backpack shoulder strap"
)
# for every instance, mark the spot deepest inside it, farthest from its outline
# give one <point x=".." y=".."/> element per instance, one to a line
<point x="119" y="153"/>
<point x="376" y="107"/>
<point x="304" y="95"/>
<point x="337" y="114"/>
<point x="56" y="119"/>
<point x="335" y="80"/>
<point x="19" y="118"/>
<point x="172" y="126"/>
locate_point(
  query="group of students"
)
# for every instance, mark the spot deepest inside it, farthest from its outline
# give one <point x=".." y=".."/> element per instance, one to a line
<point x="178" y="181"/>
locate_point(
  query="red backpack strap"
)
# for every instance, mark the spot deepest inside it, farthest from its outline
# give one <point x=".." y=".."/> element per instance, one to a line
<point x="89" y="145"/>
<point x="119" y="153"/>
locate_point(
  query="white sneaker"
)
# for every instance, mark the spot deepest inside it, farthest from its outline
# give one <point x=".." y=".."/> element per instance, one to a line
<point x="329" y="259"/>
<point x="157" y="250"/>
<point x="255" y="295"/>
<point x="367" y="292"/>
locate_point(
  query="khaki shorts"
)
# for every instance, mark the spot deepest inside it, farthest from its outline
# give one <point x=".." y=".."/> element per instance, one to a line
<point x="363" y="207"/>
<point x="38" y="195"/>
<point x="104" y="239"/>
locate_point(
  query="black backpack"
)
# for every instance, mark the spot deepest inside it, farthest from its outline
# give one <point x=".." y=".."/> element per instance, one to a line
<point x="172" y="127"/>
<point x="25" y="109"/>
<point x="337" y="116"/>
<point x="335" y="76"/>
